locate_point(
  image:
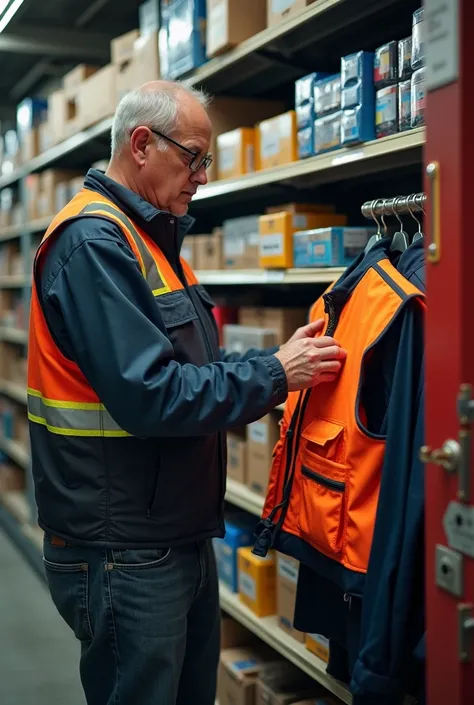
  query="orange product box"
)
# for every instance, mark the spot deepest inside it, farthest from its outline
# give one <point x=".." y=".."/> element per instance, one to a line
<point x="276" y="234"/>
<point x="257" y="581"/>
<point x="235" y="153"/>
<point x="318" y="645"/>
<point x="276" y="141"/>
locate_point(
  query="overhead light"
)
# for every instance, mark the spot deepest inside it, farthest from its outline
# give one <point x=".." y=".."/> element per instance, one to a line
<point x="8" y="8"/>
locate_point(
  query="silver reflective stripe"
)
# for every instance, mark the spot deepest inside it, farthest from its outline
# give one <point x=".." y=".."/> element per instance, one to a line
<point x="152" y="275"/>
<point x="74" y="419"/>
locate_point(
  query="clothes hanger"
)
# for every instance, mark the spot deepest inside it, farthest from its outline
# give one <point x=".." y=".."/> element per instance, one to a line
<point x="400" y="240"/>
<point x="419" y="234"/>
<point x="378" y="235"/>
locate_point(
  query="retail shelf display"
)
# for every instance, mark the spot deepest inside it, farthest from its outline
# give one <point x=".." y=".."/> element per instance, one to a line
<point x="268" y="630"/>
<point x="15" y="451"/>
<point x="13" y="281"/>
<point x="13" y="335"/>
<point x="240" y="495"/>
<point x="14" y="391"/>
<point x="229" y="277"/>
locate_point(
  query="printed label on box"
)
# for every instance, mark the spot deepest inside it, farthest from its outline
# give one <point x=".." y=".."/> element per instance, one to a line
<point x="285" y="126"/>
<point x="217" y="23"/>
<point x="227" y="159"/>
<point x="234" y="246"/>
<point x="271" y="245"/>
<point x="269" y="143"/>
<point x="253" y="239"/>
<point x="247" y="586"/>
<point x="258" y="432"/>
<point x="287" y="569"/>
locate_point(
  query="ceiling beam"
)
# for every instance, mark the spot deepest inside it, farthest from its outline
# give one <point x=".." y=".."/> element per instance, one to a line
<point x="64" y="43"/>
<point x="27" y="82"/>
<point x="90" y="12"/>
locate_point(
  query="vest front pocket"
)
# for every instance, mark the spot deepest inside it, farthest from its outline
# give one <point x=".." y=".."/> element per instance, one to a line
<point x="323" y="486"/>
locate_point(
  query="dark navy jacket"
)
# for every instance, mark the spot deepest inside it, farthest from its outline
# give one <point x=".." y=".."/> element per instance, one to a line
<point x="373" y="640"/>
<point x="156" y="365"/>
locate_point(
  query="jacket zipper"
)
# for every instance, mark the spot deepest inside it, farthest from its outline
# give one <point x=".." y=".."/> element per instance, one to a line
<point x="323" y="480"/>
<point x="330" y="309"/>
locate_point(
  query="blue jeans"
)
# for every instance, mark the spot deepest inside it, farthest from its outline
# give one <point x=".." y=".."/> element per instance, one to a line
<point x="147" y="620"/>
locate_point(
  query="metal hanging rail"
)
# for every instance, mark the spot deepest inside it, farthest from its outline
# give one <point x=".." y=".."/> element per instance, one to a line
<point x="401" y="205"/>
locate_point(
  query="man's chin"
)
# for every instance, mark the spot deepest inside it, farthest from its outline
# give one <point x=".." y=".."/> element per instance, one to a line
<point x="179" y="209"/>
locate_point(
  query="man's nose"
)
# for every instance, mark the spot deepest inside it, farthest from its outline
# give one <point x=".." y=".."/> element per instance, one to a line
<point x="199" y="177"/>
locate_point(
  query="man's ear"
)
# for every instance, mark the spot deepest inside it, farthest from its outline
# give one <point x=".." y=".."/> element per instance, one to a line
<point x="139" y="140"/>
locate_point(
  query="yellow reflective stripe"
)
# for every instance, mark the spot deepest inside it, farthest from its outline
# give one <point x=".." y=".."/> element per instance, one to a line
<point x="85" y="406"/>
<point x="163" y="290"/>
<point x="92" y="433"/>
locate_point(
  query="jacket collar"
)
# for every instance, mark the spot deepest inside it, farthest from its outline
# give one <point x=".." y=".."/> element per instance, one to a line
<point x="155" y="222"/>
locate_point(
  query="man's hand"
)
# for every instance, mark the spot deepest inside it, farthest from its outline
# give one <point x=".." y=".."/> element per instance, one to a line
<point x="309" y="361"/>
<point x="307" y="331"/>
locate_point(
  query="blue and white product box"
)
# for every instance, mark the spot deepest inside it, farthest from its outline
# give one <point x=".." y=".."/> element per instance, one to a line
<point x="304" y="87"/>
<point x="186" y="36"/>
<point x="327" y="95"/>
<point x="30" y="113"/>
<point x="357" y="79"/>
<point x="327" y="133"/>
<point x="329" y="247"/>
<point x="418" y="40"/>
<point x="358" y="124"/>
<point x="306" y="142"/>
<point x="238" y="535"/>
<point x="305" y="114"/>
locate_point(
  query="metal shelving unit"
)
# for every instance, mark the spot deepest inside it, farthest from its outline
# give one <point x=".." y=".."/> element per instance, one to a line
<point x="16" y="452"/>
<point x="14" y="391"/>
<point x="228" y="277"/>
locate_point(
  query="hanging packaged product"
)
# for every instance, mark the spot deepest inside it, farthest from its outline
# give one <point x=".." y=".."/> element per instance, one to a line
<point x="418" y="40"/>
<point x="385" y="65"/>
<point x="327" y="95"/>
<point x="418" y="98"/>
<point x="404" y="58"/>
<point x="358" y="124"/>
<point x="386" y="118"/>
<point x="404" y="105"/>
<point x="186" y="36"/>
<point x="306" y="142"/>
<point x="327" y="133"/>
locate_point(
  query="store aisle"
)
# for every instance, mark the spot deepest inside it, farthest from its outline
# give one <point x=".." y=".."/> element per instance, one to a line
<point x="38" y="653"/>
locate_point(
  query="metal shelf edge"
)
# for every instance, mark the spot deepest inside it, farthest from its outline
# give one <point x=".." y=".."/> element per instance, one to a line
<point x="234" y="277"/>
<point x="267" y="629"/>
<point x="15" y="452"/>
<point x="240" y="496"/>
<point x="14" y="335"/>
<point x="14" y="391"/>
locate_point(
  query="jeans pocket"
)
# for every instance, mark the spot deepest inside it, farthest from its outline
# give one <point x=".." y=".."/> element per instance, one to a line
<point x="69" y="588"/>
<point x="133" y="559"/>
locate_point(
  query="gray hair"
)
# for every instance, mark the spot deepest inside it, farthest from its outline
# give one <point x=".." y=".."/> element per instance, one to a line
<point x="157" y="109"/>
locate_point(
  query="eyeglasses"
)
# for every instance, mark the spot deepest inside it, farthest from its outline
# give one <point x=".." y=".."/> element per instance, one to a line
<point x="196" y="163"/>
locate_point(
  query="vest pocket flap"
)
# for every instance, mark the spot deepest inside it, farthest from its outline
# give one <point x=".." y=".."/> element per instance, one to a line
<point x="321" y="431"/>
<point x="205" y="296"/>
<point x="176" y="308"/>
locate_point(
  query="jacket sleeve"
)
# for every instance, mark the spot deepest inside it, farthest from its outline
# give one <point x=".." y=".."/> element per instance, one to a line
<point x="104" y="316"/>
<point x="393" y="605"/>
<point x="248" y="355"/>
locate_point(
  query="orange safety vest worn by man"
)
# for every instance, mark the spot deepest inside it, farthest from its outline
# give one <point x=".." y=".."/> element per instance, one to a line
<point x="129" y="398"/>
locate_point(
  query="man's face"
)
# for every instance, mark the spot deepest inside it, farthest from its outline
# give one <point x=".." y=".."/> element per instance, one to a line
<point x="168" y="181"/>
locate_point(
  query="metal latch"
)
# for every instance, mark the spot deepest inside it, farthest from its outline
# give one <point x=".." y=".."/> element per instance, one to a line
<point x="465" y="632"/>
<point x="447" y="457"/>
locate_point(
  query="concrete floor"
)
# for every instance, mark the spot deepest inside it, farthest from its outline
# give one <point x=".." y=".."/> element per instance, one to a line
<point x="38" y="652"/>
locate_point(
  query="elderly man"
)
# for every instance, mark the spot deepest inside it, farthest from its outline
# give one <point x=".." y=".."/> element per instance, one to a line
<point x="129" y="400"/>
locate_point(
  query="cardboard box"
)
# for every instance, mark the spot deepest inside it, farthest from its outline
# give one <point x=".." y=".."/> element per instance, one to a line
<point x="188" y="251"/>
<point x="261" y="439"/>
<point x="301" y="208"/>
<point x="277" y="230"/>
<point x="61" y="196"/>
<point x="234" y="634"/>
<point x="318" y="645"/>
<point x="97" y="96"/>
<point x="237" y="456"/>
<point x="49" y="179"/>
<point x="121" y="48"/>
<point x="241" y="242"/>
<point x="29" y="145"/>
<point x="239" y="532"/>
<point x="284" y="321"/>
<point x="32" y="190"/>
<point x="276" y="141"/>
<point x="208" y="251"/>
<point x="74" y="78"/>
<point x="239" y="339"/>
<point x="238" y="671"/>
<point x="227" y="114"/>
<point x="257" y="582"/>
<point x="57" y="116"/>
<point x="282" y="10"/>
<point x="45" y="136"/>
<point x="236" y="153"/>
<point x="76" y="185"/>
<point x="229" y="22"/>
<point x="329" y="247"/>
<point x="143" y="66"/>
<point x="12" y="479"/>
<point x="287" y="581"/>
<point x="281" y="683"/>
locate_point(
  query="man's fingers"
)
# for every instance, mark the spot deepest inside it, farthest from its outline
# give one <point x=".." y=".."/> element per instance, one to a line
<point x="333" y="352"/>
<point x="330" y="366"/>
<point x="313" y="328"/>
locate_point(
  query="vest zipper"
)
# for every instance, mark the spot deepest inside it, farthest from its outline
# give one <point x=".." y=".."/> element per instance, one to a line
<point x="331" y="484"/>
<point x="333" y="310"/>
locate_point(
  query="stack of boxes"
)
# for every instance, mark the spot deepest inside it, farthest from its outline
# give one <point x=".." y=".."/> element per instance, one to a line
<point x="418" y="90"/>
<point x="30" y="113"/>
<point x="386" y="96"/>
<point x="230" y="22"/>
<point x="305" y="114"/>
<point x="357" y="98"/>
